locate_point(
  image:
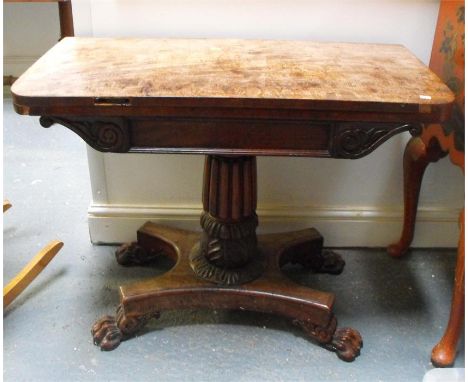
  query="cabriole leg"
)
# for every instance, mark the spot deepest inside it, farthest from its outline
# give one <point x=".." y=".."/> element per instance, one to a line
<point x="444" y="352"/>
<point x="417" y="157"/>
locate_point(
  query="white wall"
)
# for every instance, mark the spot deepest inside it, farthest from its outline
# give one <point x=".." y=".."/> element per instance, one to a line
<point x="353" y="203"/>
<point x="29" y="30"/>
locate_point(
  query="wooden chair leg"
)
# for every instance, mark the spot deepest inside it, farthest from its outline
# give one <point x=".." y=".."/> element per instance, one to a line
<point x="444" y="352"/>
<point x="417" y="157"/>
<point x="66" y="19"/>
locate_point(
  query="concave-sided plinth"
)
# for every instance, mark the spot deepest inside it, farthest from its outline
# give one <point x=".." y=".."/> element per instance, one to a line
<point x="228" y="267"/>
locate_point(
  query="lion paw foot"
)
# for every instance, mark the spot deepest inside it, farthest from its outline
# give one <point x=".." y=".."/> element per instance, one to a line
<point x="347" y="344"/>
<point x="129" y="254"/>
<point x="106" y="334"/>
<point x="333" y="263"/>
<point x="324" y="262"/>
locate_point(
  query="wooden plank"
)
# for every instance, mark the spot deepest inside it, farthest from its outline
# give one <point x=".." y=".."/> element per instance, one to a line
<point x="30" y="272"/>
<point x="126" y="73"/>
<point x="6" y="205"/>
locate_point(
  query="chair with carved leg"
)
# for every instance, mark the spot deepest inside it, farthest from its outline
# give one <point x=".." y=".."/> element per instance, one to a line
<point x="420" y="151"/>
<point x="435" y="142"/>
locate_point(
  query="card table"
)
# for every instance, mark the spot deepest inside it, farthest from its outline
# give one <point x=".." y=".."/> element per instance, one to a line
<point x="231" y="100"/>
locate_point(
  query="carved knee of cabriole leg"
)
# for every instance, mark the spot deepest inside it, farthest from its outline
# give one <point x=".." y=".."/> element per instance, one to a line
<point x="417" y="151"/>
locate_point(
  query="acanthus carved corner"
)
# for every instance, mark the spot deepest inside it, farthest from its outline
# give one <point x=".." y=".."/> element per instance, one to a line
<point x="110" y="135"/>
<point x="355" y="140"/>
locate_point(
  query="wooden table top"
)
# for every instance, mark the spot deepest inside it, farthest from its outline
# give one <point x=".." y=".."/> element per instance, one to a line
<point x="125" y="76"/>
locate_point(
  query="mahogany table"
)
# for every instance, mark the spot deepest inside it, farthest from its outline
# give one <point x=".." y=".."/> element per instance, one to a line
<point x="231" y="100"/>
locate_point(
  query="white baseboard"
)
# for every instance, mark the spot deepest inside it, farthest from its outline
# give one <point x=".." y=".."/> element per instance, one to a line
<point x="341" y="227"/>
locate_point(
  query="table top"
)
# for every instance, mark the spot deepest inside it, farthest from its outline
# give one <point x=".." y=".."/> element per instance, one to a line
<point x="128" y="76"/>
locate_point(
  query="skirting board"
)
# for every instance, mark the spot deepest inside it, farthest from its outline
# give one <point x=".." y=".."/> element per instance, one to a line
<point x="351" y="227"/>
<point x="17" y="65"/>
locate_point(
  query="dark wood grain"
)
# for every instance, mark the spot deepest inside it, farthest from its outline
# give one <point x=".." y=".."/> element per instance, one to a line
<point x="180" y="289"/>
<point x="232" y="100"/>
<point x="66" y="19"/>
<point x="228" y="252"/>
<point x="350" y="140"/>
<point x="138" y="76"/>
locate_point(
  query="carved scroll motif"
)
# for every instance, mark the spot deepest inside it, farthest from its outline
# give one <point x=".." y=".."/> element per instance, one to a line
<point x="353" y="141"/>
<point x="102" y="135"/>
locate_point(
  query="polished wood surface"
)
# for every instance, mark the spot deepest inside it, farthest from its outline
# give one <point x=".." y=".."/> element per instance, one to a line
<point x="125" y="74"/>
<point x="67" y="28"/>
<point x="232" y="100"/>
<point x="272" y="292"/>
<point x="445" y="351"/>
<point x="418" y="155"/>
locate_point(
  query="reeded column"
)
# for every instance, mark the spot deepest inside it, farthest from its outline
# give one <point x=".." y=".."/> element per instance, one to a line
<point x="227" y="253"/>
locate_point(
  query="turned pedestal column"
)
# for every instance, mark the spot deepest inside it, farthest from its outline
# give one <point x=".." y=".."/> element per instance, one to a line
<point x="228" y="253"/>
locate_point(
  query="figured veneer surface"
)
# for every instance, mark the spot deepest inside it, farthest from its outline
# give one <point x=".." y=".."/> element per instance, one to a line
<point x="230" y="72"/>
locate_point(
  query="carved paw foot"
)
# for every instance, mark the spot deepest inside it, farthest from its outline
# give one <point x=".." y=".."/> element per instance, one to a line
<point x="109" y="331"/>
<point x="333" y="263"/>
<point x="106" y="333"/>
<point x="133" y="254"/>
<point x="129" y="325"/>
<point x="347" y="343"/>
<point x="325" y="262"/>
<point x="322" y="334"/>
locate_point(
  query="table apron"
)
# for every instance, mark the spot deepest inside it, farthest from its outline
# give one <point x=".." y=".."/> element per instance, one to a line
<point x="233" y="136"/>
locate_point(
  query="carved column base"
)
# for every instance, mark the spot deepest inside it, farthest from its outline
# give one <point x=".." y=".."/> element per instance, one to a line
<point x="224" y="276"/>
<point x="272" y="292"/>
<point x="227" y="253"/>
